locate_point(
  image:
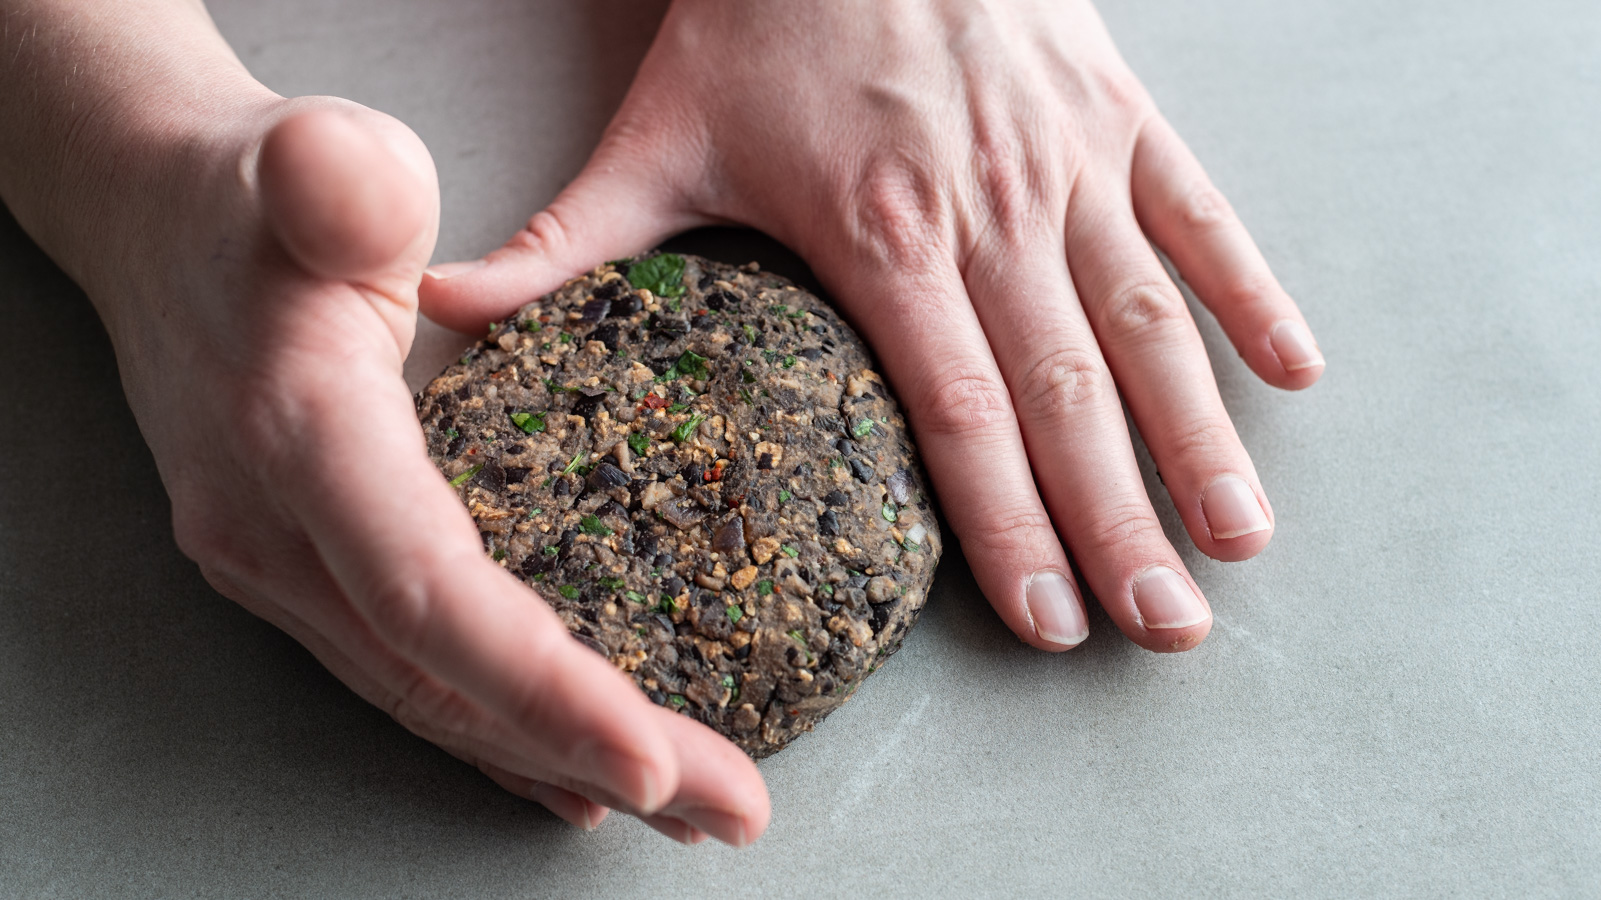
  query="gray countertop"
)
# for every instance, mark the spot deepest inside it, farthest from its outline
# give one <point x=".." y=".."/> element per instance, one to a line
<point x="1399" y="697"/>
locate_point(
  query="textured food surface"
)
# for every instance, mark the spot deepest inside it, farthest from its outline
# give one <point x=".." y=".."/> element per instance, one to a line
<point x="696" y="465"/>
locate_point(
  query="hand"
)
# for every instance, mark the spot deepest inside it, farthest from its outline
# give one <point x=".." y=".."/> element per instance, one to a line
<point x="255" y="261"/>
<point x="975" y="184"/>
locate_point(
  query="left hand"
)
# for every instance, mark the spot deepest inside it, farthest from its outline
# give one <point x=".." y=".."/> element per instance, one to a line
<point x="975" y="184"/>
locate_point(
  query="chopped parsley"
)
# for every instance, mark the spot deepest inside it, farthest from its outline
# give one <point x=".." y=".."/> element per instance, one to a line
<point x="744" y="394"/>
<point x="676" y="700"/>
<point x="573" y="466"/>
<point x="683" y="432"/>
<point x="591" y="524"/>
<point x="763" y="588"/>
<point x="888" y="512"/>
<point x="789" y="362"/>
<point x="610" y="583"/>
<point x="534" y="512"/>
<point x="498" y="555"/>
<point x="911" y="547"/>
<point x="634" y="596"/>
<point x="662" y="275"/>
<point x="639" y="442"/>
<point x="789" y="551"/>
<point x="750" y="334"/>
<point x="461" y="479"/>
<point x="826" y="589"/>
<point x="785" y="496"/>
<point x="735" y="614"/>
<point x="568" y="591"/>
<point x="677" y="408"/>
<point x="863" y="428"/>
<point x="733" y="689"/>
<point x="452" y="434"/>
<point x="689" y="363"/>
<point x="565" y="338"/>
<point x="795" y="635"/>
<point x="531" y="423"/>
<point x="667" y="605"/>
<point x="552" y="550"/>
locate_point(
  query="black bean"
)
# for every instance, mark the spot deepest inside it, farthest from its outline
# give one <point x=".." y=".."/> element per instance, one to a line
<point x="611" y="508"/>
<point x="593" y="644"/>
<point x="900" y="486"/>
<point x="596" y="309"/>
<point x="721" y="299"/>
<point x="645" y="545"/>
<point x="561" y="488"/>
<point x="607" y="334"/>
<point x="606" y="476"/>
<point x="611" y="290"/>
<point x="566" y="543"/>
<point x="856" y="581"/>
<point x="516" y="474"/>
<point x="701" y="323"/>
<point x="811" y="353"/>
<point x="666" y="623"/>
<point x="657" y="697"/>
<point x="662" y="560"/>
<point x="804" y="470"/>
<point x="538" y="563"/>
<point x="742" y="652"/>
<point x="692" y="473"/>
<point x="863" y="472"/>
<point x="828" y="523"/>
<point x="765" y="461"/>
<point x="707" y="279"/>
<point x="673" y="585"/>
<point x="836" y="498"/>
<point x="844" y="446"/>
<point x="464" y="392"/>
<point x="514" y="449"/>
<point x="453" y="449"/>
<point x="492" y="477"/>
<point x="626" y="305"/>
<point x="729" y="539"/>
<point x="586" y="403"/>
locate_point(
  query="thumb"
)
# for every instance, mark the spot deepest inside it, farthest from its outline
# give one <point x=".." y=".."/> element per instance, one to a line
<point x="340" y="198"/>
<point x="609" y="211"/>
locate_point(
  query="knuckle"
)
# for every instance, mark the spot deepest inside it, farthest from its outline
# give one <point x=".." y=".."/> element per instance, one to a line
<point x="1203" y="438"/>
<point x="898" y="215"/>
<point x="428" y="708"/>
<point x="1205" y="207"/>
<point x="400" y="610"/>
<point x="964" y="400"/>
<point x="1011" y="531"/>
<point x="1118" y="87"/>
<point x="1138" y="310"/>
<point x="1124" y="527"/>
<point x="1064" y="382"/>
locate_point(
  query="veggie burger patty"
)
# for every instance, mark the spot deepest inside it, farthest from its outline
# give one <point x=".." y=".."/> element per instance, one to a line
<point x="696" y="465"/>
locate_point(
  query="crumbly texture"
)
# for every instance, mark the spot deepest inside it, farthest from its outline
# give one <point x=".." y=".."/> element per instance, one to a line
<point x="697" y="466"/>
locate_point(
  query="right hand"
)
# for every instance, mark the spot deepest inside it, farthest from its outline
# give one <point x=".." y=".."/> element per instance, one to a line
<point x="261" y="337"/>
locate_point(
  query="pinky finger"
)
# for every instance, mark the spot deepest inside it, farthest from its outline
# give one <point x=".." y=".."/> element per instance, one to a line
<point x="1189" y="219"/>
<point x="568" y="806"/>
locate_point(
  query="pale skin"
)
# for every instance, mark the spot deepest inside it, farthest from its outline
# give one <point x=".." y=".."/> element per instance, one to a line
<point x="977" y="184"/>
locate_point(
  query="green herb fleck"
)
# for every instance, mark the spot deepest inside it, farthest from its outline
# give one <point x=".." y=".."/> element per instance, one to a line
<point x="785" y="496"/>
<point x="639" y="442"/>
<point x="452" y="434"/>
<point x="565" y="338"/>
<point x="675" y="305"/>
<point x="677" y="408"/>
<point x="682" y="432"/>
<point x="863" y="428"/>
<point x="735" y="614"/>
<point x="662" y="275"/>
<point x="667" y="605"/>
<point x="634" y="596"/>
<point x="911" y="547"/>
<point x="573" y="466"/>
<point x="568" y="591"/>
<point x="461" y="479"/>
<point x="744" y="394"/>
<point x="545" y="346"/>
<point x="531" y="423"/>
<point x="750" y="334"/>
<point x="888" y="512"/>
<point x="688" y="363"/>
<point x="545" y="483"/>
<point x="763" y="588"/>
<point x="778" y="309"/>
<point x="733" y="689"/>
<point x="498" y="555"/>
<point x="610" y="583"/>
<point x="789" y="362"/>
<point x="552" y="550"/>
<point x="591" y="524"/>
<point x="676" y="699"/>
<point x="789" y="551"/>
<point x="795" y="635"/>
<point x="827" y="589"/>
<point x="534" y="512"/>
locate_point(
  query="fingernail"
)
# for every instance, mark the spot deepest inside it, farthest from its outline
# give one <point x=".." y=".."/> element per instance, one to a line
<point x="725" y="826"/>
<point x="1055" y="609"/>
<point x="628" y="777"/>
<point x="452" y="269"/>
<point x="1231" y="509"/>
<point x="1294" y="346"/>
<point x="1165" y="600"/>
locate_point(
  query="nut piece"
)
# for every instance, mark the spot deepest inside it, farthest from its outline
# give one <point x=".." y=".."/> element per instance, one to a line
<point x="763" y="550"/>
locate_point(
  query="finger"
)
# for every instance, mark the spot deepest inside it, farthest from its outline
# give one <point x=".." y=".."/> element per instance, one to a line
<point x="568" y="806"/>
<point x="1190" y="220"/>
<point x="1079" y="446"/>
<point x="720" y="792"/>
<point x="616" y="207"/>
<point x="404" y="551"/>
<point x="922" y="325"/>
<point x="1158" y="361"/>
<point x="343" y="203"/>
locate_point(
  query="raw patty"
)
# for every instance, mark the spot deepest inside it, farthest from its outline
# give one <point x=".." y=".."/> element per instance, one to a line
<point x="698" y="468"/>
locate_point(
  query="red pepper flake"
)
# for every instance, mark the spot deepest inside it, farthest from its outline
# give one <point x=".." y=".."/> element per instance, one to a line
<point x="654" y="402"/>
<point x="715" y="473"/>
